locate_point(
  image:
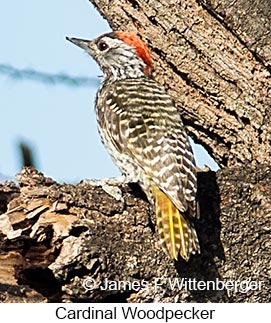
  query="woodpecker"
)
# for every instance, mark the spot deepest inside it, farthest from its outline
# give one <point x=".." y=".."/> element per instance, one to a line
<point x="142" y="130"/>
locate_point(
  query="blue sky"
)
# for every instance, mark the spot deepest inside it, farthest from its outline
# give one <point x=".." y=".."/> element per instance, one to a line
<point x="57" y="121"/>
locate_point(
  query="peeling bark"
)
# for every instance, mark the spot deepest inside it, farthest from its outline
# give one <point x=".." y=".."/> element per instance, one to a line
<point x="214" y="59"/>
<point x="56" y="238"/>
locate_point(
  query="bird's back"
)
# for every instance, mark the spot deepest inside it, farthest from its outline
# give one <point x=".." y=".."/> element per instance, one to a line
<point x="143" y="132"/>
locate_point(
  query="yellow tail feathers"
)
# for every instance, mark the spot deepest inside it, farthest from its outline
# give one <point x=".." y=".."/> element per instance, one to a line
<point x="177" y="233"/>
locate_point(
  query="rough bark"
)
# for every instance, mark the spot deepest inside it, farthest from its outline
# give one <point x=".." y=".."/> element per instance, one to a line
<point x="55" y="236"/>
<point x="249" y="20"/>
<point x="214" y="58"/>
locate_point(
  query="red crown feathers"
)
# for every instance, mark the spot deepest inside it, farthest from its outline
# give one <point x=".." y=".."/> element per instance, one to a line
<point x="142" y="49"/>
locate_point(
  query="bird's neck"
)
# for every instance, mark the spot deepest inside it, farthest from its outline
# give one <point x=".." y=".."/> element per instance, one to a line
<point x="116" y="73"/>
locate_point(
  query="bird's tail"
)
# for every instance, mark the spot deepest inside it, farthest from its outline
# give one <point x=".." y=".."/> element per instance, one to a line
<point x="177" y="233"/>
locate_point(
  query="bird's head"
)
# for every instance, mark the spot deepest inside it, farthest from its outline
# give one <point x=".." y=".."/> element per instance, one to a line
<point x="119" y="54"/>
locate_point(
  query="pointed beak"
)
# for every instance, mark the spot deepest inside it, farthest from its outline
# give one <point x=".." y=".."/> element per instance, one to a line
<point x="83" y="43"/>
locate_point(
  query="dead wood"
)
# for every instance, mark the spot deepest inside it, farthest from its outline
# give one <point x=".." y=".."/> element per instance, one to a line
<point x="56" y="236"/>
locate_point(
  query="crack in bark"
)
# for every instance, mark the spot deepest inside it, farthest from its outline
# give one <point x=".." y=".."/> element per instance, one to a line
<point x="211" y="11"/>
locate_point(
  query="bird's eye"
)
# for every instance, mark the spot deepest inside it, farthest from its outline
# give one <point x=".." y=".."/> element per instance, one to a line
<point x="102" y="46"/>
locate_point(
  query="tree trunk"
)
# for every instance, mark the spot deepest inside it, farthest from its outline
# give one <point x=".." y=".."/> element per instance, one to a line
<point x="61" y="242"/>
<point x="214" y="58"/>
